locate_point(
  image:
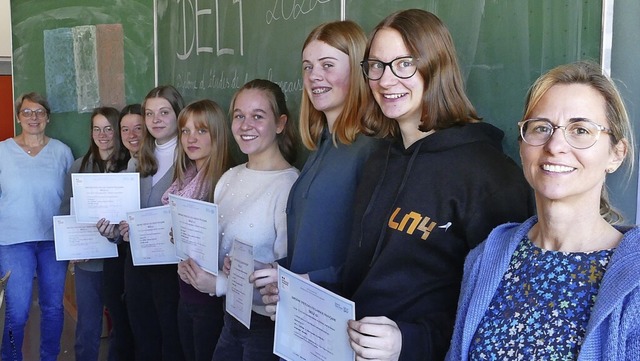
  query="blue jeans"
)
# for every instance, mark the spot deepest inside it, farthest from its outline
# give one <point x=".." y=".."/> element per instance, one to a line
<point x="90" y="311"/>
<point x="26" y="260"/>
<point x="238" y="343"/>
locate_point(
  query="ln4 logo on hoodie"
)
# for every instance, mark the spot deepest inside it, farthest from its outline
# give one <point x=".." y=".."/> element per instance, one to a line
<point x="415" y="222"/>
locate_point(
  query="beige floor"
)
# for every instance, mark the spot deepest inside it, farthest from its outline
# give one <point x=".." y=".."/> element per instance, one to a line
<point x="31" y="344"/>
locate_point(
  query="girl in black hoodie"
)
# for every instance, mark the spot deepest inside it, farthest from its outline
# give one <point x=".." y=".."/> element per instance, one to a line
<point x="435" y="192"/>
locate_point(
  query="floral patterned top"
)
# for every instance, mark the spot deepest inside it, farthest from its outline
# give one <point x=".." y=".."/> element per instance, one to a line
<point x="542" y="305"/>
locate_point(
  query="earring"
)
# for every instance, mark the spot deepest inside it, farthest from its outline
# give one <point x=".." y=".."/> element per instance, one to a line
<point x="609" y="170"/>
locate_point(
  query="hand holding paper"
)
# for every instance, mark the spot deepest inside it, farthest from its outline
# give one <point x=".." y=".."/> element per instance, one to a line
<point x="124" y="230"/>
<point x="107" y="229"/>
<point x="267" y="281"/>
<point x="376" y="338"/>
<point x="192" y="274"/>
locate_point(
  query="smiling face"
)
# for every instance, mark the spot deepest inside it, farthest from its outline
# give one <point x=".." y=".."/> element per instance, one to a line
<point x="32" y="124"/>
<point x="102" y="134"/>
<point x="131" y="132"/>
<point x="326" y="72"/>
<point x="160" y="119"/>
<point x="557" y="171"/>
<point x="254" y="125"/>
<point x="196" y="141"/>
<point x="399" y="99"/>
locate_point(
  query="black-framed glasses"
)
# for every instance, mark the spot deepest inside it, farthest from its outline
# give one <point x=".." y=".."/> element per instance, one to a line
<point x="38" y="113"/>
<point x="106" y="130"/>
<point x="580" y="133"/>
<point x="403" y="67"/>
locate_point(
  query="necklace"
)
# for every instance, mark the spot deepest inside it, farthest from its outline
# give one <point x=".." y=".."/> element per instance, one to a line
<point x="32" y="148"/>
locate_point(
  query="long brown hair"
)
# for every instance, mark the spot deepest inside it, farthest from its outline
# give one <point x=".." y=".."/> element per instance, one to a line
<point x="118" y="158"/>
<point x="349" y="38"/>
<point x="445" y="103"/>
<point x="147" y="162"/>
<point x="287" y="139"/>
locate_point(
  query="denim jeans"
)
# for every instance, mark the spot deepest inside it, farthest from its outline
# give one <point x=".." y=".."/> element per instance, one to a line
<point x="26" y="260"/>
<point x="236" y="342"/>
<point x="90" y="312"/>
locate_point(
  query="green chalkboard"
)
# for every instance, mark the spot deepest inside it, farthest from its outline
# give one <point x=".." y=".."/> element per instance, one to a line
<point x="503" y="45"/>
<point x="82" y="54"/>
<point x="213" y="49"/>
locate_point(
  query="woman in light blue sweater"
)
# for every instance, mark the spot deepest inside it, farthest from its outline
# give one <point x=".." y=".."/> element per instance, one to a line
<point x="565" y="284"/>
<point x="32" y="172"/>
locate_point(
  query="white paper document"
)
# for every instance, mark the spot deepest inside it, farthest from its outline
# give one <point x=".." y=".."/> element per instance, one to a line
<point x="195" y="231"/>
<point x="311" y="322"/>
<point x="239" y="289"/>
<point x="75" y="241"/>
<point x="105" y="195"/>
<point x="149" y="236"/>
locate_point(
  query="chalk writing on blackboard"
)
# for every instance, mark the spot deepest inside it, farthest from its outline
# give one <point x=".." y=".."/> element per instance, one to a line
<point x="192" y="25"/>
<point x="285" y="10"/>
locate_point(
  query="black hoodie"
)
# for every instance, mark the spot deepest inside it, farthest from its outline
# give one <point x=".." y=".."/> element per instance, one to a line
<point x="418" y="212"/>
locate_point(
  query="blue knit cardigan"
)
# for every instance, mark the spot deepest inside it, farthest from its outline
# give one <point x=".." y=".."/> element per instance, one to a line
<point x="613" y="331"/>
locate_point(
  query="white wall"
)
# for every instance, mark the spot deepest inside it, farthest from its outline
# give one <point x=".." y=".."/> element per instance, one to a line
<point x="5" y="29"/>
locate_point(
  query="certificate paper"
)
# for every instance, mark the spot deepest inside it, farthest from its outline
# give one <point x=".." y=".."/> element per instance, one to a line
<point x="311" y="322"/>
<point x="74" y="241"/>
<point x="149" y="236"/>
<point x="105" y="195"/>
<point x="195" y="231"/>
<point x="239" y="289"/>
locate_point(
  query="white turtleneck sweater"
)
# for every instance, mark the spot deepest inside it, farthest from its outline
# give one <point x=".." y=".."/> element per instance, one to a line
<point x="165" y="154"/>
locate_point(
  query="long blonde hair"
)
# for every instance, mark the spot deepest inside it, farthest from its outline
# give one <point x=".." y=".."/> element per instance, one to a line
<point x="205" y="114"/>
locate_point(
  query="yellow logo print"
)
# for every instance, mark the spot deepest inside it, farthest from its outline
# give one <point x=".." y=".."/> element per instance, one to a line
<point x="414" y="221"/>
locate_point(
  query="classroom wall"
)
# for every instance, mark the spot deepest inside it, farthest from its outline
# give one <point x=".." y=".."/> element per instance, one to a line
<point x="498" y="65"/>
<point x="111" y="65"/>
<point x="6" y="107"/>
<point x="626" y="51"/>
<point x="623" y="186"/>
<point x="6" y="86"/>
<point x="5" y="29"/>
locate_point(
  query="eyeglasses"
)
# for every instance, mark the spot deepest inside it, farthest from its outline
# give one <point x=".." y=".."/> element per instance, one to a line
<point x="108" y="130"/>
<point x="403" y="67"/>
<point x="580" y="133"/>
<point x="38" y="113"/>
